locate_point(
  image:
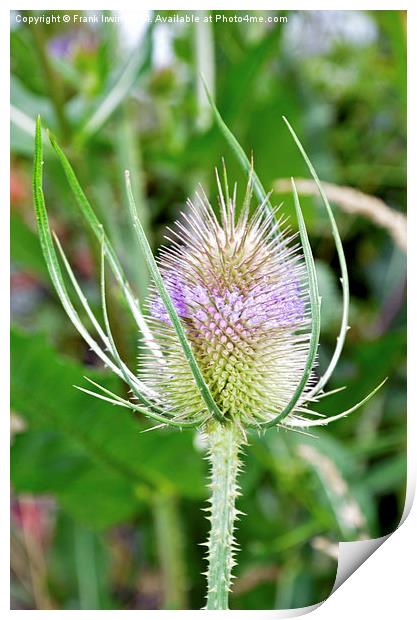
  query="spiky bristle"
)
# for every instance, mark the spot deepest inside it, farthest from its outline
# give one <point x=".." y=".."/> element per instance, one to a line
<point x="238" y="285"/>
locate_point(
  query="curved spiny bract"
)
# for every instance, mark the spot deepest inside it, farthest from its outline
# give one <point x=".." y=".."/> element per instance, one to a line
<point x="239" y="288"/>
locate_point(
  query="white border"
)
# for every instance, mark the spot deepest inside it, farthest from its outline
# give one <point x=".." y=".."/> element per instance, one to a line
<point x="385" y="585"/>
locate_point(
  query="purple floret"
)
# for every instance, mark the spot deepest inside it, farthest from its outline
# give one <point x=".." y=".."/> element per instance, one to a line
<point x="265" y="305"/>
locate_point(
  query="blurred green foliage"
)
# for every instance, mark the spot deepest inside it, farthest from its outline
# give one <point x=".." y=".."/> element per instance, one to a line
<point x="107" y="517"/>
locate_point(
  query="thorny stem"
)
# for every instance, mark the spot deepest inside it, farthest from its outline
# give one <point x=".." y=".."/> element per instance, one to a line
<point x="224" y="443"/>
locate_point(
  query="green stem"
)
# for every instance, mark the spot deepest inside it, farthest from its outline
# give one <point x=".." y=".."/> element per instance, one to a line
<point x="86" y="568"/>
<point x="206" y="67"/>
<point x="170" y="543"/>
<point x="224" y="443"/>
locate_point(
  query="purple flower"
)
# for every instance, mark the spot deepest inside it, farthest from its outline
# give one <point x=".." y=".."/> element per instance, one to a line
<point x="239" y="288"/>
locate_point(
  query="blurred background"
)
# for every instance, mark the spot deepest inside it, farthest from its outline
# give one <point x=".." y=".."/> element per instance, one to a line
<point x="104" y="517"/>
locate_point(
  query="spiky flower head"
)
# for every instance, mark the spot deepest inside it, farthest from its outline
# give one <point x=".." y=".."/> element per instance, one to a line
<point x="234" y="316"/>
<point x="238" y="284"/>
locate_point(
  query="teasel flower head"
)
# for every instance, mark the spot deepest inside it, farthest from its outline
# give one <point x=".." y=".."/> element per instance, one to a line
<point x="233" y="318"/>
<point x="239" y="286"/>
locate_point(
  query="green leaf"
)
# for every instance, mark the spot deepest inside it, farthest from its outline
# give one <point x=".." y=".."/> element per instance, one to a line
<point x="242" y="77"/>
<point x="47" y="462"/>
<point x="43" y="462"/>
<point x="393" y="24"/>
<point x="43" y="395"/>
<point x="100" y="498"/>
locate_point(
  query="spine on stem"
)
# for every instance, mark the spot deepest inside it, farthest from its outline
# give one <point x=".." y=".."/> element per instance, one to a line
<point x="224" y="442"/>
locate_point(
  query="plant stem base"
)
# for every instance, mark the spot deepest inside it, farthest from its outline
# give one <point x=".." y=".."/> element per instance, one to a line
<point x="224" y="443"/>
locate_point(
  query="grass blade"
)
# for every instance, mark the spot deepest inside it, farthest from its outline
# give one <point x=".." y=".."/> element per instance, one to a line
<point x="172" y="313"/>
<point x="315" y="302"/>
<point x="135" y="68"/>
<point x="343" y="269"/>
